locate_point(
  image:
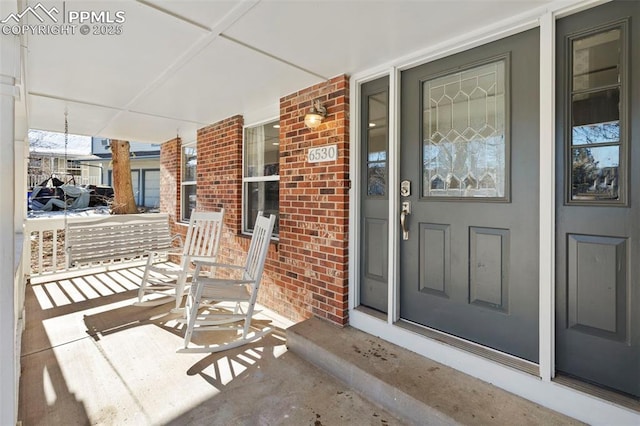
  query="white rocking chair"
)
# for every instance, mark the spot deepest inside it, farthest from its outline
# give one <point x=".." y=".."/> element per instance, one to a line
<point x="204" y="307"/>
<point x="202" y="241"/>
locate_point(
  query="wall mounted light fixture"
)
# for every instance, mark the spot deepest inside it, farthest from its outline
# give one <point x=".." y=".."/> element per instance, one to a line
<point x="315" y="115"/>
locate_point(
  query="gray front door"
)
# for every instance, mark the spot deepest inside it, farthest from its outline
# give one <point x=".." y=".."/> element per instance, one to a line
<point x="469" y="148"/>
<point x="598" y="196"/>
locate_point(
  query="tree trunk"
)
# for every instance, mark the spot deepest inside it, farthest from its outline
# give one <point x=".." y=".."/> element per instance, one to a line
<point x="123" y="200"/>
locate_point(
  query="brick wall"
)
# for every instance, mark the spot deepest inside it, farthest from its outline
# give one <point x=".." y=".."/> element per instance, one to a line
<point x="170" y="181"/>
<point x="314" y="203"/>
<point x="306" y="272"/>
<point x="220" y="185"/>
<point x="220" y="170"/>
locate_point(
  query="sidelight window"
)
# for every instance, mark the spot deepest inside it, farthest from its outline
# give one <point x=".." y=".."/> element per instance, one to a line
<point x="377" y="137"/>
<point x="596" y="142"/>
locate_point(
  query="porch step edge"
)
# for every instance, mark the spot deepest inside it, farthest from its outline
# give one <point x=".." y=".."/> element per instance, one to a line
<point x="386" y="395"/>
<point x="413" y="388"/>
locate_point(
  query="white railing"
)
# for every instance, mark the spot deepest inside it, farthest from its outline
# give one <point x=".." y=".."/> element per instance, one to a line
<point x="44" y="246"/>
<point x="44" y="252"/>
<point x="37" y="179"/>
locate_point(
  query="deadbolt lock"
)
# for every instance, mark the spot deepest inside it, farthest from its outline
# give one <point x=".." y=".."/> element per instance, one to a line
<point x="405" y="188"/>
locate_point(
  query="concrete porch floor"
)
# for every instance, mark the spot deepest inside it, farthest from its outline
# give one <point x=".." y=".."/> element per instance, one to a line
<point x="90" y="357"/>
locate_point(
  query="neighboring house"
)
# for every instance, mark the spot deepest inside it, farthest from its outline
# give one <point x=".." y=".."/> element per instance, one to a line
<point x="72" y="169"/>
<point x="68" y="159"/>
<point x="145" y="169"/>
<point x="94" y="167"/>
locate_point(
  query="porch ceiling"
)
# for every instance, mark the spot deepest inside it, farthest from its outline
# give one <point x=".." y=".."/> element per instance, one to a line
<point x="181" y="65"/>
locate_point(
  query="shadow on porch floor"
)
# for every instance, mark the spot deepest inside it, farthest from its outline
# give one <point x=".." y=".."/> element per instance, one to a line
<point x="90" y="357"/>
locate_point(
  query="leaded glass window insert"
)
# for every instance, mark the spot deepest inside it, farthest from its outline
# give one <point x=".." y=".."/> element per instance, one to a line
<point x="596" y="149"/>
<point x="464" y="133"/>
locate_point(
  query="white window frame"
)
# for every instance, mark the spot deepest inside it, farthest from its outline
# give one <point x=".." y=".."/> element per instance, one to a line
<point x="245" y="179"/>
<point x="185" y="183"/>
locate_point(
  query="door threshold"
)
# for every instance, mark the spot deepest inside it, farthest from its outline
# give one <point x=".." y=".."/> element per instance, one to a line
<point x="372" y="312"/>
<point x="615" y="397"/>
<point x="474" y="348"/>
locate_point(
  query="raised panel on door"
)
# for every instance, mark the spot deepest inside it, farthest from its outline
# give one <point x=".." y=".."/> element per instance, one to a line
<point x="597" y="286"/>
<point x="489" y="268"/>
<point x="435" y="261"/>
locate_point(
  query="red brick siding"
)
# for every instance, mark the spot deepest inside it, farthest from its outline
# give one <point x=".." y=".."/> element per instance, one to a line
<point x="220" y="183"/>
<point x="220" y="170"/>
<point x="170" y="158"/>
<point x="314" y="203"/>
<point x="306" y="272"/>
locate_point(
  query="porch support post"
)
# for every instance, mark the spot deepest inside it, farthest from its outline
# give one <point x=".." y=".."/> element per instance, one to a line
<point x="547" y="195"/>
<point x="9" y="356"/>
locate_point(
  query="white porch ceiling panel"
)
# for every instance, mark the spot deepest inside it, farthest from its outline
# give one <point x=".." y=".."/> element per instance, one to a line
<point x="181" y="65"/>
<point x="233" y="80"/>
<point x="332" y="37"/>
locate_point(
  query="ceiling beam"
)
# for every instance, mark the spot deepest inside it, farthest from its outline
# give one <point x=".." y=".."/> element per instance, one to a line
<point x="174" y="15"/>
<point x="111" y="107"/>
<point x="272" y="56"/>
<point x="210" y="34"/>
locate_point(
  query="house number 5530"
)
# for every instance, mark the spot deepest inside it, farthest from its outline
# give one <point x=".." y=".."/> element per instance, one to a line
<point x="322" y="153"/>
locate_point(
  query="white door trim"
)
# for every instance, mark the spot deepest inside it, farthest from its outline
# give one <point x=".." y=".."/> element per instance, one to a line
<point x="547" y="198"/>
<point x="394" y="197"/>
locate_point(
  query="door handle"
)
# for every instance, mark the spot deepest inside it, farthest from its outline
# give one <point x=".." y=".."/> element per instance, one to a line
<point x="406" y="211"/>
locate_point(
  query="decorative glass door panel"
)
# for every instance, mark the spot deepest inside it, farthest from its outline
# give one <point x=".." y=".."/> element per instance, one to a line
<point x="464" y="136"/>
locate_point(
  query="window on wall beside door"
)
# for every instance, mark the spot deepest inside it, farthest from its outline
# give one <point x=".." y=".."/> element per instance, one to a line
<point x="188" y="184"/>
<point x="261" y="174"/>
